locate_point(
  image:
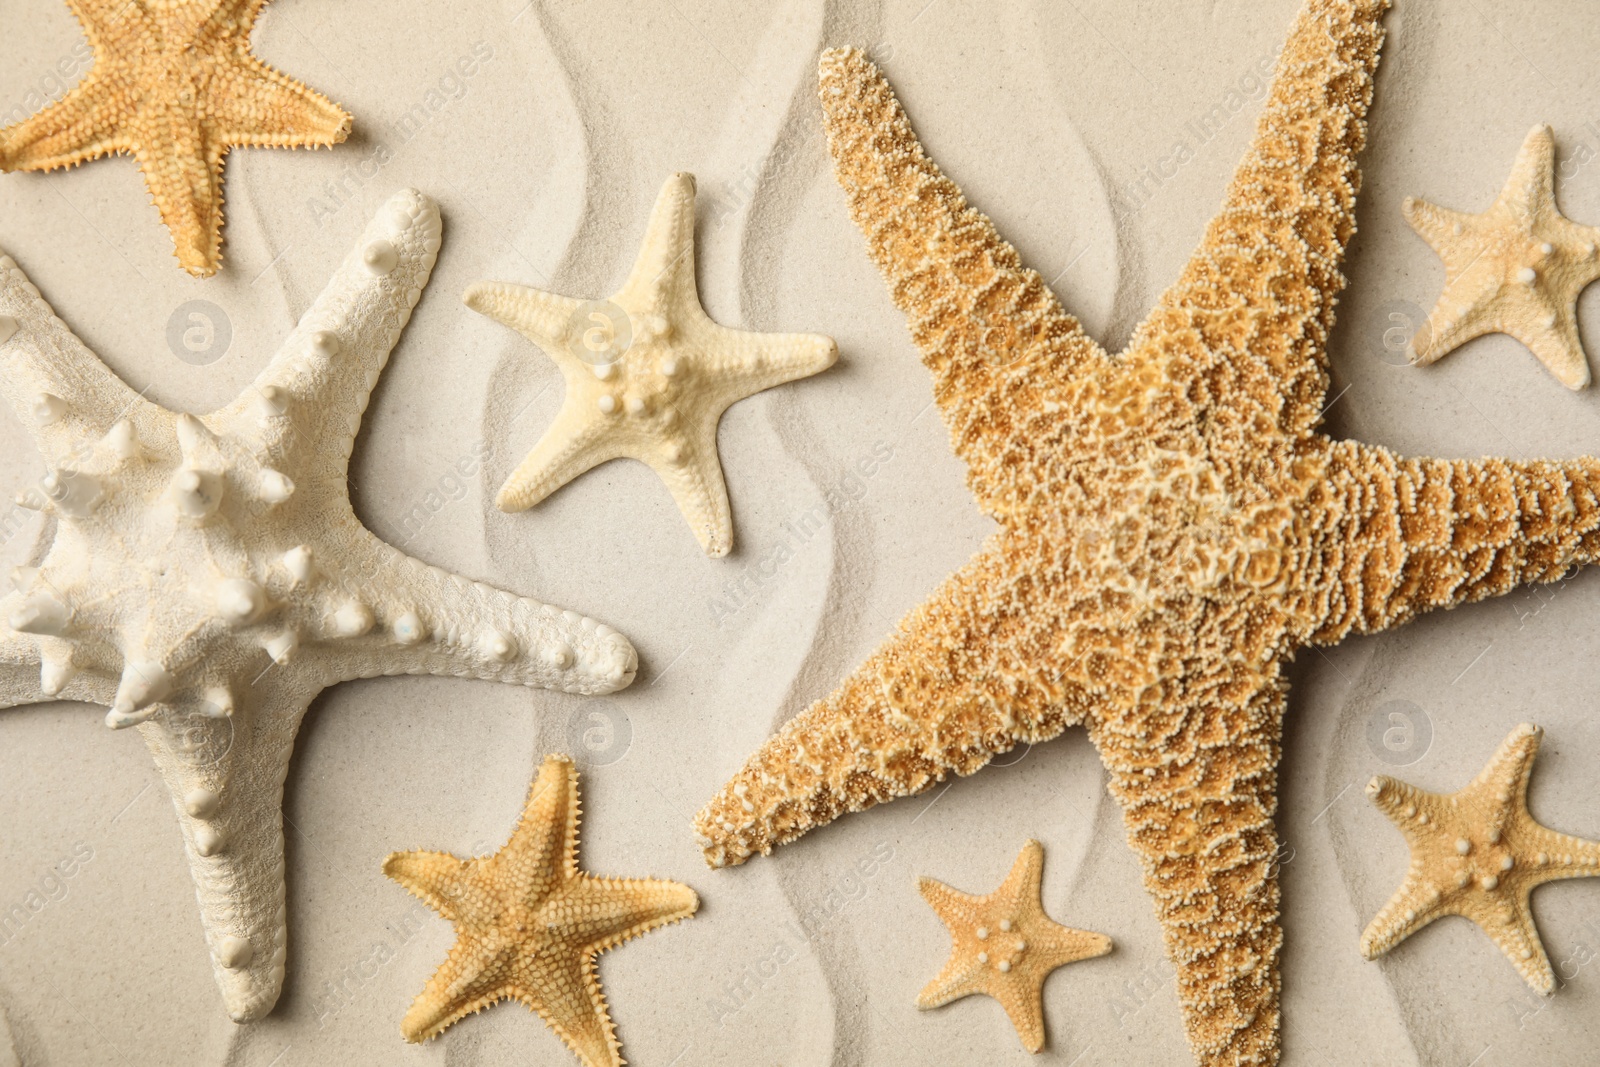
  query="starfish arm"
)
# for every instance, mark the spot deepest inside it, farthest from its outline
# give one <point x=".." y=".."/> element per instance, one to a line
<point x="424" y="620"/>
<point x="745" y="363"/>
<point x="435" y="878"/>
<point x="955" y="981"/>
<point x="1197" y="781"/>
<point x="1253" y="308"/>
<point x="619" y="909"/>
<point x="1024" y="1005"/>
<point x="1553" y="856"/>
<point x="1394" y="538"/>
<point x="476" y="973"/>
<point x="60" y="390"/>
<point x="225" y="776"/>
<point x="997" y="341"/>
<point x="1554" y="340"/>
<point x="1510" y="926"/>
<point x="183" y="174"/>
<point x="693" y="475"/>
<point x="1414" y="905"/>
<point x="1530" y="191"/>
<point x="953" y="907"/>
<point x="1439" y="226"/>
<point x="20" y="663"/>
<point x="574" y="443"/>
<point x="542" y="854"/>
<point x="663" y="273"/>
<point x="959" y="683"/>
<point x="263" y="107"/>
<point x="82" y="125"/>
<point x="557" y="324"/>
<point x="308" y="402"/>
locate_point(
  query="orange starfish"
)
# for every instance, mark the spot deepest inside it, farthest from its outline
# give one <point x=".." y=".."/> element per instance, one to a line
<point x="1005" y="946"/>
<point x="1173" y="527"/>
<point x="529" y="923"/>
<point x="174" y="84"/>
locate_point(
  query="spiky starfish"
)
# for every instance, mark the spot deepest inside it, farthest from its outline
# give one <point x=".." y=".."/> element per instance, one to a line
<point x="529" y="923"/>
<point x="1173" y="527"/>
<point x="207" y="577"/>
<point x="648" y="374"/>
<point x="176" y="85"/>
<point x="1004" y="946"/>
<point x="1515" y="269"/>
<point x="1478" y="853"/>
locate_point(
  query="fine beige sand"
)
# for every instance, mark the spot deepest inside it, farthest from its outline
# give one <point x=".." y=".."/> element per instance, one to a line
<point x="1099" y="135"/>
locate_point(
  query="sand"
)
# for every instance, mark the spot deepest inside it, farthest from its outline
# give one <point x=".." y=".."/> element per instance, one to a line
<point x="545" y="159"/>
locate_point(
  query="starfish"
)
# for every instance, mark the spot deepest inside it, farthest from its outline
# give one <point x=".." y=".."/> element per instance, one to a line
<point x="1172" y="526"/>
<point x="1479" y="854"/>
<point x="176" y="85"/>
<point x="648" y="374"/>
<point x="1517" y="268"/>
<point x="207" y="577"/>
<point x="1005" y="946"/>
<point x="529" y="923"/>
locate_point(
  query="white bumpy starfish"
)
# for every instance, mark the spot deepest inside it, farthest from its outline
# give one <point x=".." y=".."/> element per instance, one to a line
<point x="207" y="577"/>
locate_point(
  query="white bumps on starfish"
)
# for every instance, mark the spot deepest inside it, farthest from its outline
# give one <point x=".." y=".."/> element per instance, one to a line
<point x="1515" y="269"/>
<point x="648" y="374"/>
<point x="1478" y="853"/>
<point x="207" y="577"/>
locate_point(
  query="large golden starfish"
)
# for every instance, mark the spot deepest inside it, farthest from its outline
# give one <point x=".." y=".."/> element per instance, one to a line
<point x="175" y="84"/>
<point x="529" y="923"/>
<point x="1478" y="853"/>
<point x="1173" y="527"/>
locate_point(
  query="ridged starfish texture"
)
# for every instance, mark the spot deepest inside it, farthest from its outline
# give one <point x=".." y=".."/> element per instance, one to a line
<point x="648" y="374"/>
<point x="1172" y="527"/>
<point x="207" y="577"/>
<point x="529" y="923"/>
<point x="1004" y="946"/>
<point x="174" y="83"/>
<point x="1515" y="269"/>
<point x="1479" y="854"/>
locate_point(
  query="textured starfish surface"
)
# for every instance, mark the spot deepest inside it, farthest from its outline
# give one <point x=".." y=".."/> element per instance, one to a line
<point x="1516" y="269"/>
<point x="207" y="577"/>
<point x="175" y="84"/>
<point x="1005" y="946"/>
<point x="1479" y="854"/>
<point x="529" y="923"/>
<point x="1172" y="526"/>
<point x="648" y="374"/>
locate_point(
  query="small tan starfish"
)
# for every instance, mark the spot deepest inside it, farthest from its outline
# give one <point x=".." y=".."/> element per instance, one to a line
<point x="1004" y="946"/>
<point x="1515" y="269"/>
<point x="529" y="923"/>
<point x="176" y="85"/>
<point x="648" y="374"/>
<point x="1479" y="854"/>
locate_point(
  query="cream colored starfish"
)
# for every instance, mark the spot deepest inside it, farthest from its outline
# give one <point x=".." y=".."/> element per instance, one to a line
<point x="529" y="923"/>
<point x="176" y="85"/>
<point x="648" y="374"/>
<point x="1479" y="854"/>
<point x="1172" y="526"/>
<point x="1516" y="269"/>
<point x="206" y="577"/>
<point x="1004" y="946"/>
